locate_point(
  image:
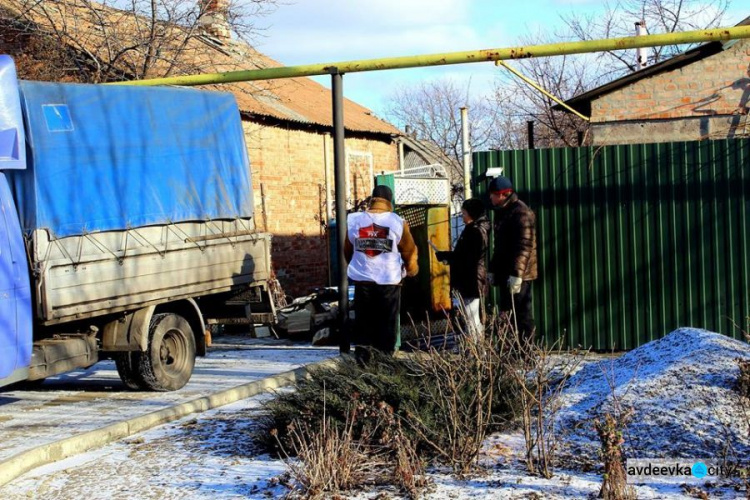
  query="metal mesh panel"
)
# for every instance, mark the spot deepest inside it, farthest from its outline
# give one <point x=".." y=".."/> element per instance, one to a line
<point x="421" y="335"/>
<point x="422" y="191"/>
<point x="415" y="216"/>
<point x="425" y="171"/>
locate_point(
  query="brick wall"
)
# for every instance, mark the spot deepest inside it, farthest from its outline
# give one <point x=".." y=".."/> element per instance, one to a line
<point x="11" y="42"/>
<point x="36" y="57"/>
<point x="288" y="169"/>
<point x="692" y="102"/>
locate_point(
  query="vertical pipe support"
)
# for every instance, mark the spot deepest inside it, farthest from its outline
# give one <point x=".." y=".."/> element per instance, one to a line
<point x="401" y="158"/>
<point x="641" y="53"/>
<point x="327" y="166"/>
<point x="339" y="168"/>
<point x="530" y="133"/>
<point x="329" y="205"/>
<point x="466" y="150"/>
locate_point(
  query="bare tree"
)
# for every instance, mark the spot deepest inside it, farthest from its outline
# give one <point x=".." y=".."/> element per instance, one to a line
<point x="129" y="39"/>
<point x="568" y="76"/>
<point x="660" y="16"/>
<point x="563" y="77"/>
<point x="433" y="110"/>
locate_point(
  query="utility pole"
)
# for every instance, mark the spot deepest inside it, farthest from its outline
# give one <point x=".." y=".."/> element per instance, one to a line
<point x="466" y="150"/>
<point x="339" y="169"/>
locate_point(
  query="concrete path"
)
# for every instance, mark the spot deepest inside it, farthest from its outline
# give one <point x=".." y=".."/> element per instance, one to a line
<point x="209" y="456"/>
<point x="85" y="400"/>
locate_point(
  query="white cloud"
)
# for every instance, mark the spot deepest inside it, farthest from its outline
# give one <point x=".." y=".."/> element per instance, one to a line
<point x="329" y="30"/>
<point x="318" y="31"/>
<point x="573" y="3"/>
<point x="326" y="31"/>
<point x="377" y="13"/>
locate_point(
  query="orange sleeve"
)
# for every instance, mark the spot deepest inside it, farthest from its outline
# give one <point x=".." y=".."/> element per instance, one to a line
<point x="409" y="252"/>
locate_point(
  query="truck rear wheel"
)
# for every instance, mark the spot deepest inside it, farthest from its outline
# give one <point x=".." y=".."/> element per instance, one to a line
<point x="168" y="361"/>
<point x="128" y="374"/>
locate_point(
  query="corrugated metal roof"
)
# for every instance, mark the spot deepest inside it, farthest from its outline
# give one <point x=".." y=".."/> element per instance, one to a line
<point x="299" y="100"/>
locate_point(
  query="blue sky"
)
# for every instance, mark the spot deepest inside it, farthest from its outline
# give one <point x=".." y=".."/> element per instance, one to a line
<point x="312" y="31"/>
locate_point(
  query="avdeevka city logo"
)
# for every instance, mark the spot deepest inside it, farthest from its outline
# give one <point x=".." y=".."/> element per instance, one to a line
<point x="640" y="469"/>
<point x="699" y="470"/>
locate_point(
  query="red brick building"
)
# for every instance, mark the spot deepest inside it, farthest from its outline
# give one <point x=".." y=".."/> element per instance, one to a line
<point x="288" y="126"/>
<point x="703" y="93"/>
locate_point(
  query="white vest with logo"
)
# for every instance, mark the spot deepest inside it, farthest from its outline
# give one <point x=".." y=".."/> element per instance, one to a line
<point x="375" y="238"/>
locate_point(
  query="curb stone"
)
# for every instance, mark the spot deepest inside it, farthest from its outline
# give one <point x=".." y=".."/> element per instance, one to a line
<point x="25" y="461"/>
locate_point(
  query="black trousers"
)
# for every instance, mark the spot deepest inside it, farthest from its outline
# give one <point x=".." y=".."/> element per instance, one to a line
<point x="376" y="309"/>
<point x="522" y="302"/>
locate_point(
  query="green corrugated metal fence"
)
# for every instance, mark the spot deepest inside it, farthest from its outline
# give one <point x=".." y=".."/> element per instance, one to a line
<point x="635" y="241"/>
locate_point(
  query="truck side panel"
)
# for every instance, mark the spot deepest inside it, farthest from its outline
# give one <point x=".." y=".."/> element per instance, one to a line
<point x="102" y="273"/>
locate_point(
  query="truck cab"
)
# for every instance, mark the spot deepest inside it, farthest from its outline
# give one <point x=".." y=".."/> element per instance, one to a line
<point x="15" y="288"/>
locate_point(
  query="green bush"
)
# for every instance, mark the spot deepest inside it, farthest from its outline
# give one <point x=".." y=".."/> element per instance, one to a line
<point x="336" y="392"/>
<point x="401" y="383"/>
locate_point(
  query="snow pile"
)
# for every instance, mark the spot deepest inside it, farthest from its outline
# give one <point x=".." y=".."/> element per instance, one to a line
<point x="680" y="389"/>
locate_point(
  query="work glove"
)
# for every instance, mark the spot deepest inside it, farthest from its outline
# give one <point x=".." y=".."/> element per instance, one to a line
<point x="442" y="256"/>
<point x="491" y="279"/>
<point x="514" y="284"/>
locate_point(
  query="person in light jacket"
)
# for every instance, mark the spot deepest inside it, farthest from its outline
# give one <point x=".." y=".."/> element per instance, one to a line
<point x="381" y="252"/>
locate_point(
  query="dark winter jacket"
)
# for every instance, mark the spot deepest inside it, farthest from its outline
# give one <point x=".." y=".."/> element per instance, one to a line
<point x="515" y="242"/>
<point x="468" y="259"/>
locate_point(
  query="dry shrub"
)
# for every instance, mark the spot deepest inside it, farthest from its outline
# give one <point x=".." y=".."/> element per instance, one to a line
<point x="743" y="382"/>
<point x="396" y="415"/>
<point x="329" y="459"/>
<point x="610" y="428"/>
<point x="538" y="374"/>
<point x="445" y="402"/>
<point x="610" y="431"/>
<point x="408" y="468"/>
<point x="467" y="393"/>
<point x="409" y="471"/>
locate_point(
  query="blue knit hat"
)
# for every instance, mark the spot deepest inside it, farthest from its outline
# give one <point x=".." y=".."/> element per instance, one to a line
<point x="500" y="184"/>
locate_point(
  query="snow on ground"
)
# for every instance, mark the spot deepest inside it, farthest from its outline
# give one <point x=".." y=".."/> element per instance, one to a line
<point x="208" y="456"/>
<point x="680" y="389"/>
<point x="83" y="400"/>
<point x="212" y="456"/>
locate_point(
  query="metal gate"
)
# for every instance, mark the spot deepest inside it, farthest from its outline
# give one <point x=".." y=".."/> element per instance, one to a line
<point x="636" y="240"/>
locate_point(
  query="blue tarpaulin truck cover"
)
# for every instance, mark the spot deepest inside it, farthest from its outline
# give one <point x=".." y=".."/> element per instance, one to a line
<point x="104" y="158"/>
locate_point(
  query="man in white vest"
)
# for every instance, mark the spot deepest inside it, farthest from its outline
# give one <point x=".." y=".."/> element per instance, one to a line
<point x="380" y="251"/>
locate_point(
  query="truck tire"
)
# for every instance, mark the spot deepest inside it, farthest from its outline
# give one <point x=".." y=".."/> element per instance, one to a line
<point x="128" y="374"/>
<point x="168" y="361"/>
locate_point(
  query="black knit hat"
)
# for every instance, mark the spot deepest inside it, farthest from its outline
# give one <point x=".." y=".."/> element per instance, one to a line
<point x="474" y="207"/>
<point x="383" y="192"/>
